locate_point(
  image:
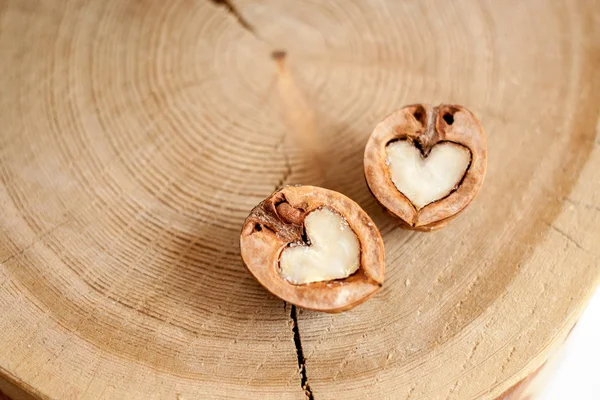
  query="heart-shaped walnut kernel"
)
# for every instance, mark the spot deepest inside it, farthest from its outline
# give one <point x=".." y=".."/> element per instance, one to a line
<point x="332" y="250"/>
<point x="426" y="179"/>
<point x="314" y="248"/>
<point x="425" y="164"/>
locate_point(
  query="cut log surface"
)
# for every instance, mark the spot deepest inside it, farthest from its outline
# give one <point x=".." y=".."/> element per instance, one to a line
<point x="136" y="135"/>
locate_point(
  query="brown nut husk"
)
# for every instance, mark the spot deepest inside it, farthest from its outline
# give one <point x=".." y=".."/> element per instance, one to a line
<point x="278" y="222"/>
<point x="425" y="126"/>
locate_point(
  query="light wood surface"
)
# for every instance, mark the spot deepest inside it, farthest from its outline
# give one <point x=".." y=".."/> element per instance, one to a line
<point x="135" y="137"/>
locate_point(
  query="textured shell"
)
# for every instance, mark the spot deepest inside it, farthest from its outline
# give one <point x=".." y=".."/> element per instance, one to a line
<point x="412" y="122"/>
<point x="266" y="233"/>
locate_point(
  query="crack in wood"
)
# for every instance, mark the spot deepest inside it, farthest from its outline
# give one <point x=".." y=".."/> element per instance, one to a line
<point x="278" y="55"/>
<point x="38" y="239"/>
<point x="566" y="236"/>
<point x="286" y="158"/>
<point x="232" y="9"/>
<point x="581" y="204"/>
<point x="300" y="353"/>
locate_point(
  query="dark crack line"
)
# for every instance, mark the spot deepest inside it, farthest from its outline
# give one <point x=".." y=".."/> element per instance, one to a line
<point x="300" y="353"/>
<point x="580" y="204"/>
<point x="566" y="236"/>
<point x="38" y="239"/>
<point x="288" y="171"/>
<point x="236" y="13"/>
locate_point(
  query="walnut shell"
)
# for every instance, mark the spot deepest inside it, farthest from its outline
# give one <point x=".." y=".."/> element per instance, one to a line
<point x="278" y="221"/>
<point x="425" y="126"/>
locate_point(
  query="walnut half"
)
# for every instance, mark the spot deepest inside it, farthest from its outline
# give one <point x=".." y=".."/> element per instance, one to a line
<point x="425" y="164"/>
<point x="314" y="248"/>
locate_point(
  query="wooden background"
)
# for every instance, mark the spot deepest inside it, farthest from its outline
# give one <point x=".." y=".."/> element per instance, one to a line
<point x="136" y="135"/>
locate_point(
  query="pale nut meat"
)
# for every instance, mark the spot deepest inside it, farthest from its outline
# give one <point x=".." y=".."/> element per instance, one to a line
<point x="424" y="180"/>
<point x="314" y="248"/>
<point x="425" y="164"/>
<point x="331" y="251"/>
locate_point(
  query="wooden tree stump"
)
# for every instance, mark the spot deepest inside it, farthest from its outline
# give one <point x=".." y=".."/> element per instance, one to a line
<point x="135" y="136"/>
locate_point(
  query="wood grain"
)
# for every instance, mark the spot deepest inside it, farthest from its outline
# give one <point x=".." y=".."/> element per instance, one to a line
<point x="136" y="135"/>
